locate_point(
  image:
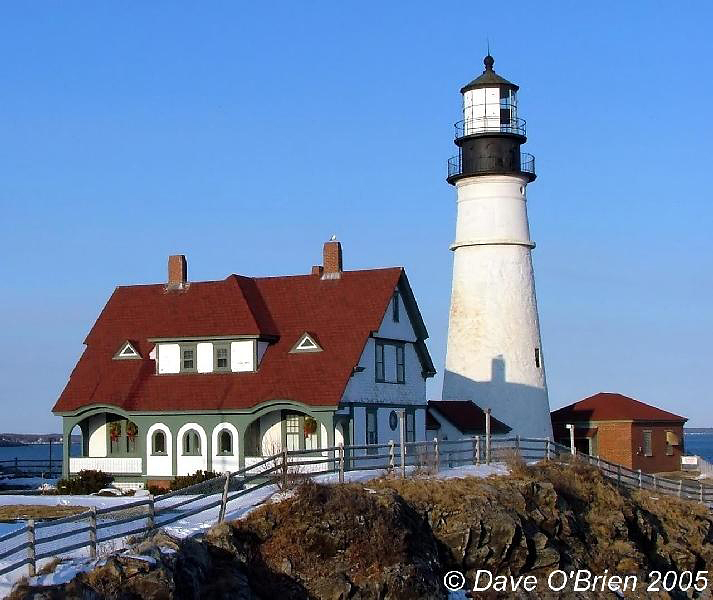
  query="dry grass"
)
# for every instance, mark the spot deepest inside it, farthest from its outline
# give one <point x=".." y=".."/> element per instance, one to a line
<point x="14" y="512"/>
<point x="49" y="567"/>
<point x="324" y="523"/>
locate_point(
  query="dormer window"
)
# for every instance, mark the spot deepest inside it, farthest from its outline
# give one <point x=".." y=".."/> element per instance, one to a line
<point x="188" y="358"/>
<point x="222" y="357"/>
<point x="306" y="343"/>
<point x="127" y="350"/>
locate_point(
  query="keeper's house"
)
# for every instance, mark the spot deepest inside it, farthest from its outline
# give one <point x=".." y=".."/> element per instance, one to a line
<point x="623" y="431"/>
<point x="215" y="375"/>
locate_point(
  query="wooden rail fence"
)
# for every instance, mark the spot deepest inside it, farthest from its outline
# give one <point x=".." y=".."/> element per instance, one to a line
<point x="94" y="531"/>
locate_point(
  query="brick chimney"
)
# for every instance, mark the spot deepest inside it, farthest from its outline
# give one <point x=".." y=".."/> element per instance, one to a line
<point x="177" y="272"/>
<point x="332" y="268"/>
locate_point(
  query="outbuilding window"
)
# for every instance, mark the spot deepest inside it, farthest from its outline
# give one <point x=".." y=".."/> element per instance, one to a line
<point x="647" y="445"/>
<point x="395" y="307"/>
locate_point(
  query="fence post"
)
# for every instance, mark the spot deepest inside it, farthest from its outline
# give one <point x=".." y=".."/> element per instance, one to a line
<point x="618" y="475"/>
<point x="224" y="498"/>
<point x="151" y="518"/>
<point x="476" y="450"/>
<point x="402" y="418"/>
<point x="547" y="449"/>
<point x="640" y="482"/>
<point x="93" y="532"/>
<point x="655" y="487"/>
<point x="487" y="436"/>
<point x="517" y="443"/>
<point x="341" y="462"/>
<point x="680" y="487"/>
<point x="700" y="490"/>
<point x="31" y="567"/>
<point x="392" y="456"/>
<point x="284" y="469"/>
<point x="436" y="454"/>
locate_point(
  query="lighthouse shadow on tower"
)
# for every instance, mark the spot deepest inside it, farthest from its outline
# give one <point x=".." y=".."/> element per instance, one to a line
<point x="512" y="403"/>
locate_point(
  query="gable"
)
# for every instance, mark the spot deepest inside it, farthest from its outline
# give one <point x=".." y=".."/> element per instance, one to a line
<point x="306" y="343"/>
<point x="127" y="351"/>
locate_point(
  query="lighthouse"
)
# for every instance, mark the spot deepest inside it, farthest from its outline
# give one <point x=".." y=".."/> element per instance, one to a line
<point x="494" y="355"/>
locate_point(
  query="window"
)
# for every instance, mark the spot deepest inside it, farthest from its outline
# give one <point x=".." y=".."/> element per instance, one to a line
<point x="395" y="307"/>
<point x="648" y="448"/>
<point x="669" y="444"/>
<point x="410" y="426"/>
<point x="225" y="442"/>
<point x="400" y="368"/>
<point x="301" y="432"/>
<point x="158" y="443"/>
<point x="537" y="357"/>
<point x="188" y="358"/>
<point x="390" y="362"/>
<point x="371" y="431"/>
<point x="379" y="361"/>
<point x="393" y="420"/>
<point x="221" y="357"/>
<point x="191" y="443"/>
<point x="292" y="432"/>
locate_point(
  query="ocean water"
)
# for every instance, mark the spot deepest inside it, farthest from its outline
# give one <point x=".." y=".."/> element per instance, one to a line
<point x="36" y="452"/>
<point x="700" y="444"/>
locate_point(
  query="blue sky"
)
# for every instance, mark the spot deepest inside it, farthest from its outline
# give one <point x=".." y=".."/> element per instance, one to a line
<point x="245" y="134"/>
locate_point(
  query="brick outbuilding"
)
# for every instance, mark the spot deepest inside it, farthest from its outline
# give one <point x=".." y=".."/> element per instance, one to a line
<point x="624" y="431"/>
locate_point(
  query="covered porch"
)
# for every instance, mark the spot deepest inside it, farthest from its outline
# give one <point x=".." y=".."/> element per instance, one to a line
<point x="110" y="442"/>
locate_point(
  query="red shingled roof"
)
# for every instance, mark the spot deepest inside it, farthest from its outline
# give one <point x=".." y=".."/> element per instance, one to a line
<point x="340" y="312"/>
<point x="611" y="407"/>
<point x="467" y="416"/>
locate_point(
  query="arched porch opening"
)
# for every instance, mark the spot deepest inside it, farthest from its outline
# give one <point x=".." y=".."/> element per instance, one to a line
<point x="291" y="428"/>
<point x="110" y="442"/>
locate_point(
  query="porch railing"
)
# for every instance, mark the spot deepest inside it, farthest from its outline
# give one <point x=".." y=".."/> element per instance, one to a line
<point x="97" y="530"/>
<point x="109" y="464"/>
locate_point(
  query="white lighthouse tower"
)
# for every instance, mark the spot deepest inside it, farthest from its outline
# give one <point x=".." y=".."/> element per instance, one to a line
<point x="494" y="356"/>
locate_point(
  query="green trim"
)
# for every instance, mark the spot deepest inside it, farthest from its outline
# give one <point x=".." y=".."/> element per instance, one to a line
<point x="204" y="338"/>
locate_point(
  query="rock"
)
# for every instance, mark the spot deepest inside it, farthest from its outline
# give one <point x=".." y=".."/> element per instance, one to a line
<point x="396" y="540"/>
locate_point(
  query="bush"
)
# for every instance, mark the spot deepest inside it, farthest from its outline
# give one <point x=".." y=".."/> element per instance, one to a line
<point x="85" y="482"/>
<point x="183" y="481"/>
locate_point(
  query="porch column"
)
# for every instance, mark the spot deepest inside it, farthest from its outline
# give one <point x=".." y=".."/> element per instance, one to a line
<point x="242" y="427"/>
<point x="67" y="426"/>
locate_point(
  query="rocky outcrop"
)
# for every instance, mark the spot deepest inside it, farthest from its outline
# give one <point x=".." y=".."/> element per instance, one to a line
<point x="396" y="538"/>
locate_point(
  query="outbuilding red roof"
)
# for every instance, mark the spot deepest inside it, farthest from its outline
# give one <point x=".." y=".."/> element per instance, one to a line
<point x="467" y="416"/>
<point x="612" y="407"/>
<point x="341" y="313"/>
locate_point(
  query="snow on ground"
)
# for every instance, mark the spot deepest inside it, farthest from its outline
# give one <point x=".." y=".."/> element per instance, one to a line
<point x="473" y="471"/>
<point x="237" y="508"/>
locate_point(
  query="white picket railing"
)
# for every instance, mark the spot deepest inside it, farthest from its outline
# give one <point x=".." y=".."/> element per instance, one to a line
<point x="93" y="531"/>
